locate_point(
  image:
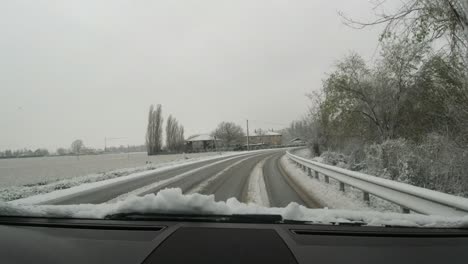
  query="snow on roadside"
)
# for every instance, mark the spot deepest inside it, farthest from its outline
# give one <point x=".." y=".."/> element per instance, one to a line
<point x="257" y="193"/>
<point x="303" y="152"/>
<point x="33" y="194"/>
<point x="18" y="192"/>
<point x="173" y="201"/>
<point x="329" y="195"/>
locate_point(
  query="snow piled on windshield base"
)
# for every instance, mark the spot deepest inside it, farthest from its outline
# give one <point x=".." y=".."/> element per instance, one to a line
<point x="174" y="201"/>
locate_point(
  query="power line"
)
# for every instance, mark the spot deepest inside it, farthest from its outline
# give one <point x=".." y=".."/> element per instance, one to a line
<point x="270" y="123"/>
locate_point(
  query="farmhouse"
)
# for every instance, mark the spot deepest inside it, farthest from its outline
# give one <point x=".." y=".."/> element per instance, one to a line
<point x="200" y="143"/>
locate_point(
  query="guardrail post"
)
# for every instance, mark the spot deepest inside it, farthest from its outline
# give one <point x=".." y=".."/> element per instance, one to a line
<point x="366" y="197"/>
<point x="405" y="210"/>
<point x="304" y="168"/>
<point x="310" y="172"/>
<point x="342" y="187"/>
<point x="327" y="179"/>
<point x="316" y="174"/>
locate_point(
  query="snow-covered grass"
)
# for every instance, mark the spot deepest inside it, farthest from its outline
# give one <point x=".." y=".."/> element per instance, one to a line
<point x="329" y="195"/>
<point x="62" y="187"/>
<point x="303" y="152"/>
<point x="173" y="201"/>
<point x="307" y="154"/>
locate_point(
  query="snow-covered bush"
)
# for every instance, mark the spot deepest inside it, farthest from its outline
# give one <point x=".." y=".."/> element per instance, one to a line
<point x="355" y="156"/>
<point x="444" y="165"/>
<point x="436" y="163"/>
<point x="393" y="159"/>
<point x="335" y="159"/>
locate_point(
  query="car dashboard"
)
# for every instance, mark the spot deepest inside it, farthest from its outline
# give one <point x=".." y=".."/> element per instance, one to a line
<point x="45" y="240"/>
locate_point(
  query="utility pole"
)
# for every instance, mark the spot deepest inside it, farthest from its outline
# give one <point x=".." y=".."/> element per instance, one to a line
<point x="215" y="146"/>
<point x="248" y="146"/>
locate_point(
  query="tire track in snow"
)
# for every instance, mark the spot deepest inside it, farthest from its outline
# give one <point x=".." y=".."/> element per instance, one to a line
<point x="164" y="183"/>
<point x="202" y="186"/>
<point x="233" y="183"/>
<point x="161" y="184"/>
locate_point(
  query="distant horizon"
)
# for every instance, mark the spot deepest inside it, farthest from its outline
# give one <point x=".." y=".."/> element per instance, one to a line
<point x="53" y="150"/>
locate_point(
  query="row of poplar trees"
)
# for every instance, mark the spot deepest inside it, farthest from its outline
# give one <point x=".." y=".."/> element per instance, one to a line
<point x="154" y="133"/>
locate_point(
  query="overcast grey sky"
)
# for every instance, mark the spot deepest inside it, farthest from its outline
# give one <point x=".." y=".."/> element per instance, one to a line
<point x="90" y="69"/>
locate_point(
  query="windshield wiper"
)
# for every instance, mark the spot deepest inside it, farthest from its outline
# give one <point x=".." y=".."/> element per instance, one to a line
<point x="235" y="218"/>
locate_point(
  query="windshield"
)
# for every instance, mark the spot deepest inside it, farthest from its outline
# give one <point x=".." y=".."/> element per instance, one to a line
<point x="315" y="111"/>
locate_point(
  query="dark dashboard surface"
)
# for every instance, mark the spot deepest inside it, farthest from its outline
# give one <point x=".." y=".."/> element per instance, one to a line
<point x="36" y="240"/>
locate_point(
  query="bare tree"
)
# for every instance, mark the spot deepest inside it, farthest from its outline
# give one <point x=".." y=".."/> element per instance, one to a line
<point x="170" y="127"/>
<point x="180" y="139"/>
<point x="159" y="128"/>
<point x="461" y="11"/>
<point x="229" y="133"/>
<point x="422" y="21"/>
<point x="150" y="132"/>
<point x="77" y="146"/>
<point x="174" y="135"/>
<point x="61" y="151"/>
<point x="154" y="130"/>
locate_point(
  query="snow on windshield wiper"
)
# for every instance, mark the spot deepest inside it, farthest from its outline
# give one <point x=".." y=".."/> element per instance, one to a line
<point x="236" y="218"/>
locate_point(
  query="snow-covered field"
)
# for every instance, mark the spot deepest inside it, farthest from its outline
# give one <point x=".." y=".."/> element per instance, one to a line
<point x="31" y="171"/>
<point x="88" y="181"/>
<point x="173" y="201"/>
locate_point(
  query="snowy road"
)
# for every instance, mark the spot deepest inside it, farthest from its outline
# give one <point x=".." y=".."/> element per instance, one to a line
<point x="281" y="188"/>
<point x="224" y="177"/>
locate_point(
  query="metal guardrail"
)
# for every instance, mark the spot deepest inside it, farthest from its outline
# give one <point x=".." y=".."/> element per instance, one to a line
<point x="410" y="198"/>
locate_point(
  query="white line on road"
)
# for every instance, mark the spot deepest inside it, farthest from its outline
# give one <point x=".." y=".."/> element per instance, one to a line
<point x="257" y="189"/>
